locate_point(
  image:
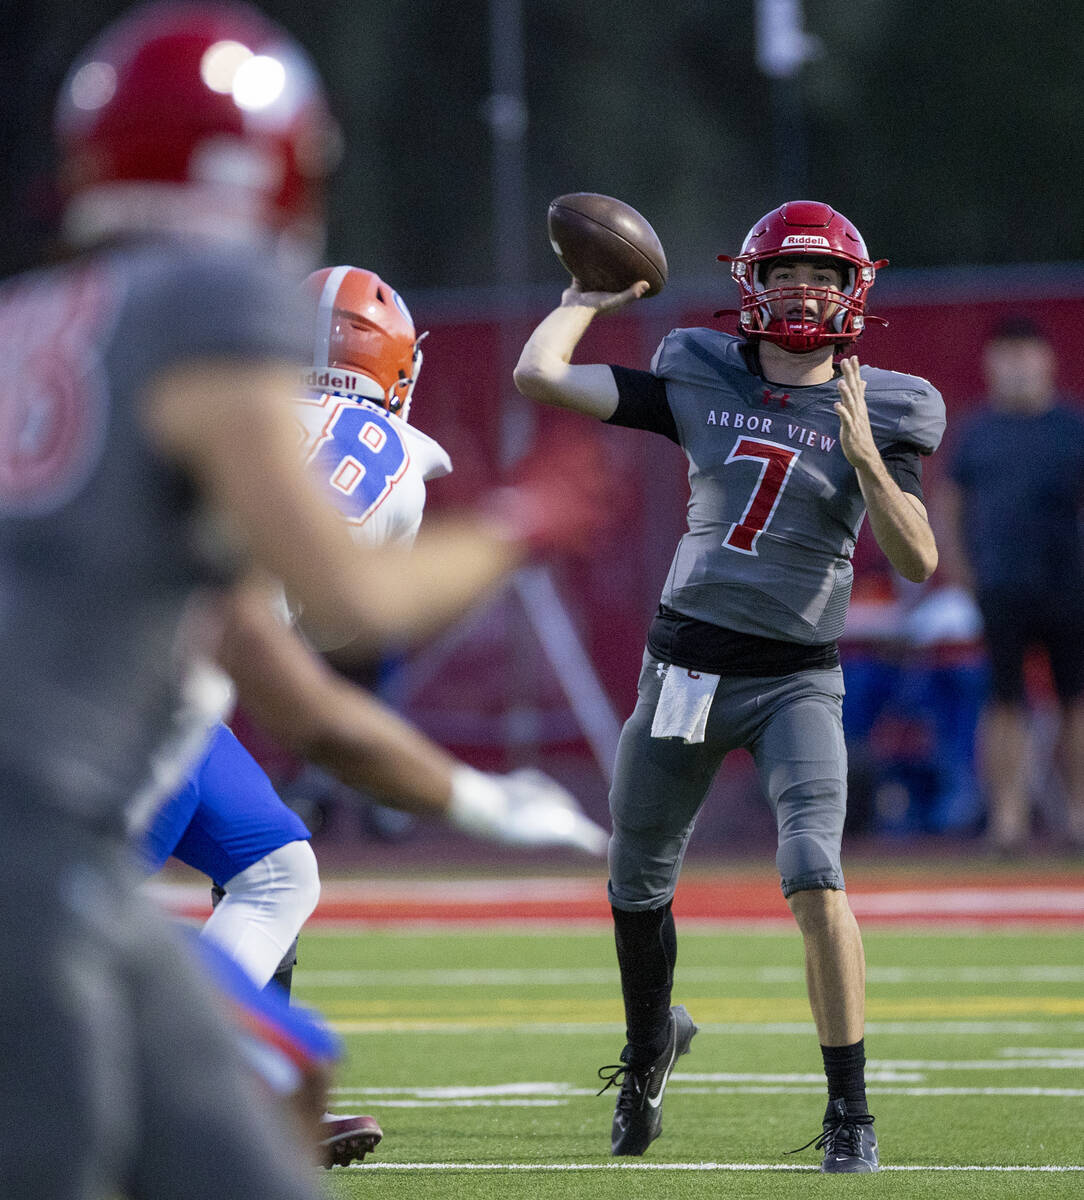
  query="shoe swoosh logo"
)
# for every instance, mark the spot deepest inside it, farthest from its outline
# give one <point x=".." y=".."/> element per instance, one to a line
<point x="655" y="1101"/>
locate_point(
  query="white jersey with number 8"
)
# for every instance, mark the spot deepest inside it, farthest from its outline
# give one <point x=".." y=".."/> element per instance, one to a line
<point x="370" y="464"/>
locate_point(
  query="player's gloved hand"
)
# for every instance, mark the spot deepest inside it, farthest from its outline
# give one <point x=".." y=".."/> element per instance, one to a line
<point x="523" y="808"/>
<point x="562" y="498"/>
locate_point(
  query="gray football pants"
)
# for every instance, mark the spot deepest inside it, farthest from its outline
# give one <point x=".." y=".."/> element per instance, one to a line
<point x="791" y="724"/>
<point x="118" y="1074"/>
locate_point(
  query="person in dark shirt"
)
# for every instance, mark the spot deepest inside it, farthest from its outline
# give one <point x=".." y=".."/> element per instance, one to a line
<point x="1013" y="505"/>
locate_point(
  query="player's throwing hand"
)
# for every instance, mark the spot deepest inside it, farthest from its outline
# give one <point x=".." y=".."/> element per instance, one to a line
<point x="855" y="435"/>
<point x="574" y="296"/>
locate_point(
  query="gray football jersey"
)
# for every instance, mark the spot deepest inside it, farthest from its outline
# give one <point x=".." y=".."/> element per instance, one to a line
<point x="109" y="567"/>
<point x="775" y="508"/>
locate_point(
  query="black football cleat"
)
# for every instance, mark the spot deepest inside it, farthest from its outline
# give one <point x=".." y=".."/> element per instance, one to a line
<point x="638" y="1112"/>
<point x="848" y="1141"/>
<point x="347" y="1139"/>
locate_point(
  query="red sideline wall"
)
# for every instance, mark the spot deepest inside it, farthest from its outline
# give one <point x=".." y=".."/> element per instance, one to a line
<point x="487" y="691"/>
<point x="937" y="321"/>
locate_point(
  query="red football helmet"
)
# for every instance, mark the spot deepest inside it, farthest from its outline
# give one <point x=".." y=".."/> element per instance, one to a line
<point x="803" y="229"/>
<point x="365" y="340"/>
<point x="202" y="118"/>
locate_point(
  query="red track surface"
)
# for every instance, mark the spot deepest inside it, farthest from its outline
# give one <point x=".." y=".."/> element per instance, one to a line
<point x="1050" y="900"/>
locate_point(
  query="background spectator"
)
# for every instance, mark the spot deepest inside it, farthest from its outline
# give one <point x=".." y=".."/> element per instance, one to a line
<point x="1013" y="503"/>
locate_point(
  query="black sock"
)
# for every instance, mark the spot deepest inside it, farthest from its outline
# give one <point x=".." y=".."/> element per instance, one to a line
<point x="283" y="978"/>
<point x="646" y="953"/>
<point x="284" y="972"/>
<point x="845" y="1067"/>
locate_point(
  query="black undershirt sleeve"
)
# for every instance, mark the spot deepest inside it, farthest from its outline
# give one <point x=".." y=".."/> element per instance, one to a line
<point x="642" y="403"/>
<point x="904" y="464"/>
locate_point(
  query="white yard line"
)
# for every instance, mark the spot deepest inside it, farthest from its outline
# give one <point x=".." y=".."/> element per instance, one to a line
<point x="902" y="1070"/>
<point x="444" y="1104"/>
<point x="691" y="1166"/>
<point x="1076" y="1052"/>
<point x="812" y="1090"/>
<point x="881" y="1090"/>
<point x="528" y="1093"/>
<point x="463" y="1091"/>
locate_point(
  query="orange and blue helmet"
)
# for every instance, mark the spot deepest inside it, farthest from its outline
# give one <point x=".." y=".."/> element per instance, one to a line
<point x="365" y="344"/>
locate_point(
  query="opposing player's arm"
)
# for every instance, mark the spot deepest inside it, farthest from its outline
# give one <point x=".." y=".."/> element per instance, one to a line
<point x="898" y="519"/>
<point x="317" y="714"/>
<point x="327" y="720"/>
<point x="545" y="371"/>
<point x="234" y="433"/>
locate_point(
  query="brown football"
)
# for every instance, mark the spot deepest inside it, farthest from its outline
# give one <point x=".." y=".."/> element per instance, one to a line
<point x="606" y="244"/>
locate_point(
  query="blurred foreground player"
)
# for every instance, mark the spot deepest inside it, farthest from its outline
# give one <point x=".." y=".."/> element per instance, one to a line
<point x="148" y="454"/>
<point x="787" y="453"/>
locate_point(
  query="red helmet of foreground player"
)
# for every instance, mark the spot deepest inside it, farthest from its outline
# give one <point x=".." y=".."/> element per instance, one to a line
<point x="803" y="229"/>
<point x="365" y="340"/>
<point x="196" y="118"/>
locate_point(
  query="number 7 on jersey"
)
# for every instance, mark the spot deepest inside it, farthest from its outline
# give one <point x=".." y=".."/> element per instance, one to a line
<point x="778" y="461"/>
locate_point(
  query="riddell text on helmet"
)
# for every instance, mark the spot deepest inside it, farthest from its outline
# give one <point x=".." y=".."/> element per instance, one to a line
<point x="329" y="382"/>
<point x="805" y="239"/>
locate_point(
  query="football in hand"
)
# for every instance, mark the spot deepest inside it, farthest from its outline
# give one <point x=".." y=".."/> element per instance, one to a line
<point x="605" y="244"/>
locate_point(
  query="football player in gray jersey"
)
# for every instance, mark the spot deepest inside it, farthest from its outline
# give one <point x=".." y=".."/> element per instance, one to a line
<point x="789" y="449"/>
<point x="148" y="460"/>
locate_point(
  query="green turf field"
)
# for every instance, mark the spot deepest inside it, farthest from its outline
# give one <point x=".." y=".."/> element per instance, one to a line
<point x="477" y="1051"/>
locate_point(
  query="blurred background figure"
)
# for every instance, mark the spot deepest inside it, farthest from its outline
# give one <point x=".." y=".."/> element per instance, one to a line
<point x="1013" y="505"/>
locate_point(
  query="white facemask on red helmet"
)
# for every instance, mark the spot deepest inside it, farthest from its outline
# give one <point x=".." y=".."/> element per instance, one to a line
<point x="195" y="118"/>
<point x="365" y="341"/>
<point x="797" y="317"/>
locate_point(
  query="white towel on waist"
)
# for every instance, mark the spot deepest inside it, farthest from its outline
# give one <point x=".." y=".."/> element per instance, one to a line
<point x="684" y="704"/>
